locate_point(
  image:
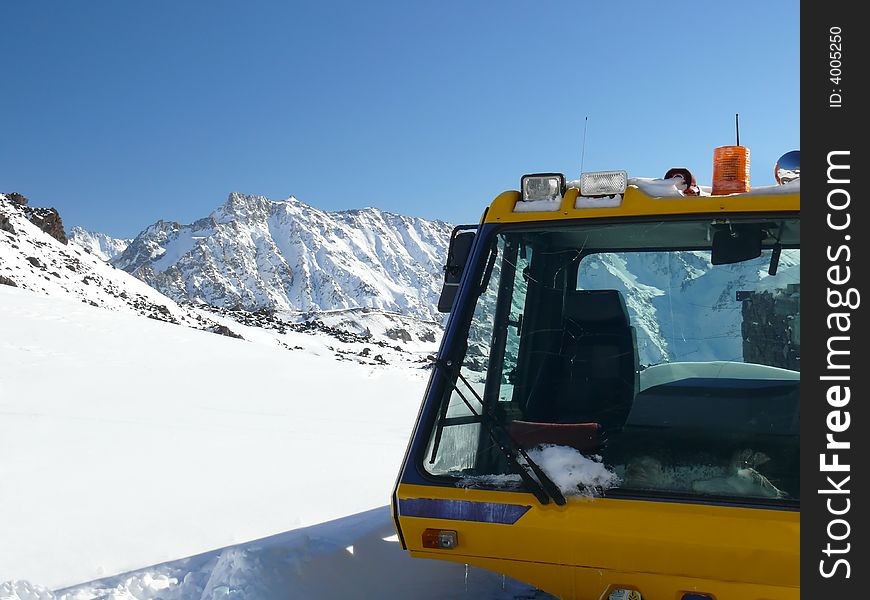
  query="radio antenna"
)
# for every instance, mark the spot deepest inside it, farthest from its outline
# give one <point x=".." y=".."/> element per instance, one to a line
<point x="583" y="148"/>
<point x="737" y="125"/>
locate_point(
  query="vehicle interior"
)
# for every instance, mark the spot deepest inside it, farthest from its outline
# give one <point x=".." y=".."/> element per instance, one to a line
<point x="574" y="342"/>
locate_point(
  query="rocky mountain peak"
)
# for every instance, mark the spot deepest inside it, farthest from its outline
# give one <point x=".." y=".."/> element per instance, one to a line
<point x="242" y="207"/>
<point x="47" y="219"/>
<point x="256" y="253"/>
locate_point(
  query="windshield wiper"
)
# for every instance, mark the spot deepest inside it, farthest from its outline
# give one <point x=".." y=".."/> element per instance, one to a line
<point x="541" y="485"/>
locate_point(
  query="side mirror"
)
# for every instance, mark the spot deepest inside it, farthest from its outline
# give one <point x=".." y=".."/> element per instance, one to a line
<point x="461" y="242"/>
<point x="736" y="243"/>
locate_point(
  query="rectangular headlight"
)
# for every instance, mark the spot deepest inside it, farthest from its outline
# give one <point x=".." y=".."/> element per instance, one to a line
<point x="542" y="186"/>
<point x="603" y="183"/>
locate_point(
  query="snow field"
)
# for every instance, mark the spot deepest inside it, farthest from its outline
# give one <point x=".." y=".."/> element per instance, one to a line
<point x="130" y="442"/>
<point x="356" y="557"/>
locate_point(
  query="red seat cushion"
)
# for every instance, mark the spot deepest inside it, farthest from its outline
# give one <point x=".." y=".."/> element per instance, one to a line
<point x="582" y="436"/>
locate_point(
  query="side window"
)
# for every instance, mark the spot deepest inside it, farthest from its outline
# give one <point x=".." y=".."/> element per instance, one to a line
<point x="515" y="324"/>
<point x="453" y="445"/>
<point x="490" y="360"/>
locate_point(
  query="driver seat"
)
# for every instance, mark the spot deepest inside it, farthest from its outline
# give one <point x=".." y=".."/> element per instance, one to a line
<point x="595" y="375"/>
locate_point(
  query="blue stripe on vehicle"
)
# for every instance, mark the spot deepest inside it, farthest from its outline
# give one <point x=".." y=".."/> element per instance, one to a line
<point x="462" y="510"/>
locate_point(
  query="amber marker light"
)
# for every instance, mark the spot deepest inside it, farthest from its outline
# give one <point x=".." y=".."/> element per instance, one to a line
<point x="445" y="539"/>
<point x="730" y="170"/>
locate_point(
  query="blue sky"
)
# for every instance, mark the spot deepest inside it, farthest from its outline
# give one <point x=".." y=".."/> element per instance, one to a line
<point x="120" y="113"/>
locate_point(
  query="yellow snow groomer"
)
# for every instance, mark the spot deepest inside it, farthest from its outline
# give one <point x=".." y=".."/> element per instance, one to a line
<point x="613" y="412"/>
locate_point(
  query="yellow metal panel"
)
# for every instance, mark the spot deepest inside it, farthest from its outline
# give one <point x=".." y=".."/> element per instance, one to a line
<point x="635" y="203"/>
<point x="680" y="541"/>
<point x="578" y="583"/>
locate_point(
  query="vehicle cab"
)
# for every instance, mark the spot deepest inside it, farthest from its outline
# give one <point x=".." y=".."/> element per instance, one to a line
<point x="614" y="409"/>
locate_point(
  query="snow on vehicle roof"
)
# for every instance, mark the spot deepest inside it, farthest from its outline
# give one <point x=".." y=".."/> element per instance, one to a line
<point x="667" y="188"/>
<point x="539" y="205"/>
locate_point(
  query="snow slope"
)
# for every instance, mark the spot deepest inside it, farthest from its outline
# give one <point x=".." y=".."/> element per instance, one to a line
<point x="129" y="442"/>
<point x="33" y="260"/>
<point x="256" y="253"/>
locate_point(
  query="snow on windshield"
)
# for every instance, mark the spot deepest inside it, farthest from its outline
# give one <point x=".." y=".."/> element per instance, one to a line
<point x="574" y="473"/>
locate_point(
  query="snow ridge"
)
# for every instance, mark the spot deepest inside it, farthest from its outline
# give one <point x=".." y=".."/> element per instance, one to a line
<point x="33" y="260"/>
<point x="255" y="253"/>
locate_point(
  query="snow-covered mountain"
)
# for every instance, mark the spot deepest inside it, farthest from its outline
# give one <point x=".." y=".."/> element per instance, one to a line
<point x="257" y="253"/>
<point x="99" y="244"/>
<point x="33" y="259"/>
<point x="34" y="256"/>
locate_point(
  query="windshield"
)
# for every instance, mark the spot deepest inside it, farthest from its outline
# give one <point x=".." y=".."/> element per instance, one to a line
<point x="627" y="344"/>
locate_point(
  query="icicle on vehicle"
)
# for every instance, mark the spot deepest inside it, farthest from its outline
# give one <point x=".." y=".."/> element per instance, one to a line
<point x="652" y="328"/>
